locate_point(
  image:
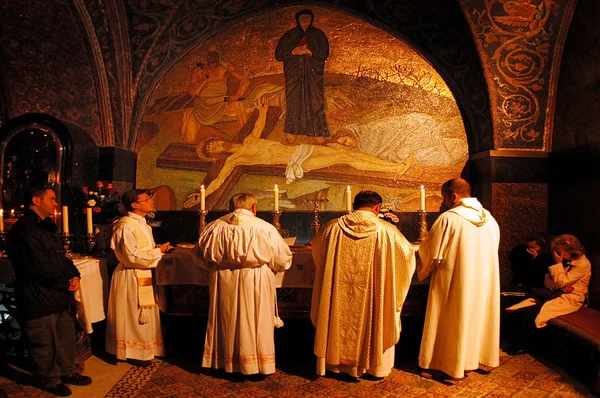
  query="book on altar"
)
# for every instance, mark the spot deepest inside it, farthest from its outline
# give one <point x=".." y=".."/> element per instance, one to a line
<point x="523" y="304"/>
<point x="290" y="241"/>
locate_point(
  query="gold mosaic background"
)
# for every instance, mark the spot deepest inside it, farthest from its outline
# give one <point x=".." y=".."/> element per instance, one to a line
<point x="396" y="105"/>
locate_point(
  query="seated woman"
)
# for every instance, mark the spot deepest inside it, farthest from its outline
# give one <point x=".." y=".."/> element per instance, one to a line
<point x="567" y="288"/>
<point x="530" y="261"/>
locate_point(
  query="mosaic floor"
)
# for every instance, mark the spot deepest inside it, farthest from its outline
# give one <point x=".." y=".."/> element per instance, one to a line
<point x="521" y="376"/>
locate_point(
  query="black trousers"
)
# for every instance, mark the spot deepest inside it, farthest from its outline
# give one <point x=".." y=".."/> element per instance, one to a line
<point x="522" y="326"/>
<point x="51" y="347"/>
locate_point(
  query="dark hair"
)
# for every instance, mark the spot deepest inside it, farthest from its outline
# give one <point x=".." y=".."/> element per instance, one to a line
<point x="542" y="239"/>
<point x="458" y="186"/>
<point x="36" y="191"/>
<point x="570" y="244"/>
<point x="366" y="199"/>
<point x="131" y="197"/>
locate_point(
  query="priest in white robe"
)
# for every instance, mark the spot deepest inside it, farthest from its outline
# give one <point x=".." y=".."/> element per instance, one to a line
<point x="242" y="254"/>
<point x="133" y="329"/>
<point x="364" y="266"/>
<point x="462" y="323"/>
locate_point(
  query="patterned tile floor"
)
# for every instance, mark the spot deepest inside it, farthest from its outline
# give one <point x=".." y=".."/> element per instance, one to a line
<point x="520" y="376"/>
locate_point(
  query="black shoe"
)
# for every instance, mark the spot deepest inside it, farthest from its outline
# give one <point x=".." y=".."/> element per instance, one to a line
<point x="60" y="390"/>
<point x="517" y="351"/>
<point x="77" y="379"/>
<point x="139" y="363"/>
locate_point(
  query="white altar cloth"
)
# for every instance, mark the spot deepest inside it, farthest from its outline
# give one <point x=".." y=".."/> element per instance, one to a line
<point x="93" y="291"/>
<point x="179" y="268"/>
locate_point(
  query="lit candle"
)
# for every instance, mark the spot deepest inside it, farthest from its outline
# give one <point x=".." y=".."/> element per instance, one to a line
<point x="276" y="198"/>
<point x="65" y="220"/>
<point x="202" y="198"/>
<point x="422" y="192"/>
<point x="55" y="217"/>
<point x="348" y="199"/>
<point x="90" y="221"/>
<point x="12" y="213"/>
<point x="1" y="220"/>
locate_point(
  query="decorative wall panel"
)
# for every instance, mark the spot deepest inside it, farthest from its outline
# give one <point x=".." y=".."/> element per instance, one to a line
<point x="520" y="43"/>
<point x="46" y="63"/>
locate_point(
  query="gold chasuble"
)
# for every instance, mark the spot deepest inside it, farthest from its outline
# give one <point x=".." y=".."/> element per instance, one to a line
<point x="364" y="268"/>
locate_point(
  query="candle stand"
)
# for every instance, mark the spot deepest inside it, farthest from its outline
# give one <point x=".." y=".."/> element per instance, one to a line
<point x="276" y="223"/>
<point x="67" y="240"/>
<point x="203" y="214"/>
<point x="90" y="242"/>
<point x="3" y="236"/>
<point x="317" y="203"/>
<point x="423" y="231"/>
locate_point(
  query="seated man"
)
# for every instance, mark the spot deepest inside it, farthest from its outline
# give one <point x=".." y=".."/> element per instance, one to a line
<point x="530" y="261"/>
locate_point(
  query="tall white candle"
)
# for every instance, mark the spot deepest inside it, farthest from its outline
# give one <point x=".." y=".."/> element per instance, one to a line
<point x="65" y="220"/>
<point x="276" y="198"/>
<point x="1" y="220"/>
<point x="348" y="197"/>
<point x="202" y="198"/>
<point x="90" y="221"/>
<point x="422" y="192"/>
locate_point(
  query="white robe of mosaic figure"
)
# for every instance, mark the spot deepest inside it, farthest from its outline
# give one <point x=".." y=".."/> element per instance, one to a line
<point x="242" y="254"/>
<point x="132" y="332"/>
<point x="462" y="323"/>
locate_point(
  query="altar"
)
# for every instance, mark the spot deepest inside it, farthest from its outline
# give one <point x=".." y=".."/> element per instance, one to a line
<point x="183" y="286"/>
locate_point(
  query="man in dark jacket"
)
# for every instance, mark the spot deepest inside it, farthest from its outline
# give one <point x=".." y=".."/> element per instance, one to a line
<point x="45" y="279"/>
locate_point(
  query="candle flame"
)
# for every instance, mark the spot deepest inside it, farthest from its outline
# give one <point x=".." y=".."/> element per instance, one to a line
<point x="276" y="186"/>
<point x="12" y="212"/>
<point x="422" y="186"/>
<point x="348" y="188"/>
<point x="201" y="186"/>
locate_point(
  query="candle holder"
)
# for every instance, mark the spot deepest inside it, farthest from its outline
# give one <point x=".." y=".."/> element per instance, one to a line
<point x="276" y="223"/>
<point x="423" y="230"/>
<point x="67" y="240"/>
<point x="203" y="214"/>
<point x="3" y="236"/>
<point x="317" y="203"/>
<point x="90" y="242"/>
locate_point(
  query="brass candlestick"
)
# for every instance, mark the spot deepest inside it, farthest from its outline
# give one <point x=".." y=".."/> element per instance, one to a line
<point x="317" y="203"/>
<point x="203" y="214"/>
<point x="276" y="223"/>
<point x="67" y="239"/>
<point x="423" y="231"/>
<point x="90" y="242"/>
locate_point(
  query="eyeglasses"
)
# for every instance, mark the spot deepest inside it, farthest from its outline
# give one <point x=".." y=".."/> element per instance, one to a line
<point x="150" y="197"/>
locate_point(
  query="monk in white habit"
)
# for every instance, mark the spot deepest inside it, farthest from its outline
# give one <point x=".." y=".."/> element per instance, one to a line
<point x="462" y="323"/>
<point x="242" y="254"/>
<point x="364" y="266"/>
<point x="133" y="330"/>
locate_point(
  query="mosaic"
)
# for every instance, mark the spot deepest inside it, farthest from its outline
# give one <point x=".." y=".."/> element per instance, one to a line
<point x="319" y="101"/>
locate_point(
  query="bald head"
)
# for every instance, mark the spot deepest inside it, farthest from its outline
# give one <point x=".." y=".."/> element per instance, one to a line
<point x="454" y="190"/>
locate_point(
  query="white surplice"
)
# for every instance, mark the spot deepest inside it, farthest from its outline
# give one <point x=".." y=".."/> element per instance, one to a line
<point x="462" y="323"/>
<point x="242" y="253"/>
<point x="126" y="336"/>
<point x="364" y="268"/>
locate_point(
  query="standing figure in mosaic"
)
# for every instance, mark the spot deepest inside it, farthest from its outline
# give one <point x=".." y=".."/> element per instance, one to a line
<point x="242" y="254"/>
<point x="462" y="322"/>
<point x="133" y="331"/>
<point x="364" y="266"/>
<point x="303" y="51"/>
<point x="208" y="86"/>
